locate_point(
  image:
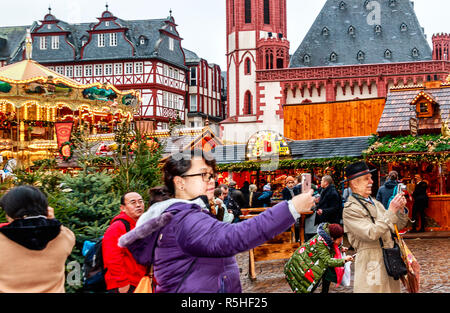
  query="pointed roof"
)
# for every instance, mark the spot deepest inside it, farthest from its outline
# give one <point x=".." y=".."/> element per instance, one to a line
<point x="363" y="32"/>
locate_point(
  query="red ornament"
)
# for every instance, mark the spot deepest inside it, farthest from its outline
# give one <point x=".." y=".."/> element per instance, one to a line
<point x="309" y="275"/>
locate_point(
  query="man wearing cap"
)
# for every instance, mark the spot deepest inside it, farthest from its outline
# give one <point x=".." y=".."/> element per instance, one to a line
<point x="364" y="234"/>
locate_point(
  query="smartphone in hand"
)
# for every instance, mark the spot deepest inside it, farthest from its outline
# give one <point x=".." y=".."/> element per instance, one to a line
<point x="306" y="182"/>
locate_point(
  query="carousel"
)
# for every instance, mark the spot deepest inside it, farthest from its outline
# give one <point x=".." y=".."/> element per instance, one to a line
<point x="40" y="108"/>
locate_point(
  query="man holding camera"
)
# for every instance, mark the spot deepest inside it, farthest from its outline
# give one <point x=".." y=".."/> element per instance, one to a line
<point x="364" y="233"/>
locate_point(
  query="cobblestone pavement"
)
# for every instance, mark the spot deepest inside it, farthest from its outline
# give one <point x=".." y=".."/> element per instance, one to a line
<point x="432" y="254"/>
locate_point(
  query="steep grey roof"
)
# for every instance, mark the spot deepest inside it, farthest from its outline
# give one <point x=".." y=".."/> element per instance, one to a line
<point x="191" y="57"/>
<point x="398" y="111"/>
<point x="229" y="154"/>
<point x="11" y="39"/>
<point x="350" y="30"/>
<point x="154" y="32"/>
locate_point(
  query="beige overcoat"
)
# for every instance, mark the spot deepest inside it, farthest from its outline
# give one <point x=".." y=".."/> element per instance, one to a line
<point x="363" y="235"/>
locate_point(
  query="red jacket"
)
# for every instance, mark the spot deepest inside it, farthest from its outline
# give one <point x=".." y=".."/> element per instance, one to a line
<point x="121" y="267"/>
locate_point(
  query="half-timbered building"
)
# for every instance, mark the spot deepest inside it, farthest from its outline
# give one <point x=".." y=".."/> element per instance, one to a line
<point x="144" y="55"/>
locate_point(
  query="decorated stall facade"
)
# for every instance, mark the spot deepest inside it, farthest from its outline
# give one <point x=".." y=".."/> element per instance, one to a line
<point x="257" y="164"/>
<point x="414" y="139"/>
<point x="39" y="108"/>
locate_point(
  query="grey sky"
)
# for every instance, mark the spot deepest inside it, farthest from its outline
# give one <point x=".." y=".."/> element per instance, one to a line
<point x="201" y="23"/>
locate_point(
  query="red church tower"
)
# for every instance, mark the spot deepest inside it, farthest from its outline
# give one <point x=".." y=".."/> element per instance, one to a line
<point x="256" y="40"/>
<point x="441" y="47"/>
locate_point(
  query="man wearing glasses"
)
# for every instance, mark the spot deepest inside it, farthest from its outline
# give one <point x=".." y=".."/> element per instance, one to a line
<point x="122" y="272"/>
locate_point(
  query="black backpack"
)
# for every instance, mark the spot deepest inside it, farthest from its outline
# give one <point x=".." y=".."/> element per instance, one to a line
<point x="93" y="270"/>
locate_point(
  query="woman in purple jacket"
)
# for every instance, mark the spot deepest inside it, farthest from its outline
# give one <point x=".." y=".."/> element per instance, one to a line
<point x="191" y="251"/>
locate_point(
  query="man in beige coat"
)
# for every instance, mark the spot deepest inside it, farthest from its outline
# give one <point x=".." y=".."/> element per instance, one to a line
<point x="363" y="234"/>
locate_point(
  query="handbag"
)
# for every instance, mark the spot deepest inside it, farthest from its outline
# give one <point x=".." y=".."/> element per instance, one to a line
<point x="146" y="283"/>
<point x="346" y="278"/>
<point x="412" y="280"/>
<point x="392" y="257"/>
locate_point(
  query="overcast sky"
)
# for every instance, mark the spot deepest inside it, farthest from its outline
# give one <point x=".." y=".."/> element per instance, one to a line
<point x="201" y="23"/>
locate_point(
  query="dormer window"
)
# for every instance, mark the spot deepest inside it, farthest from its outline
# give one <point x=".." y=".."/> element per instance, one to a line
<point x="403" y="27"/>
<point x="378" y="29"/>
<point x="306" y="59"/>
<point x="361" y="56"/>
<point x="49" y="26"/>
<point x="342" y="5"/>
<point x="325" y="31"/>
<point x="43" y="43"/>
<point x="415" y="53"/>
<point x="392" y="3"/>
<point x="142" y="40"/>
<point x="351" y="31"/>
<point x="424" y="104"/>
<point x="107" y="24"/>
<point x="388" y="54"/>
<point x="333" y="57"/>
<point x="113" y="39"/>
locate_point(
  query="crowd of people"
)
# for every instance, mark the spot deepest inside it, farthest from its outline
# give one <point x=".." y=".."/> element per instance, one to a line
<point x="193" y="229"/>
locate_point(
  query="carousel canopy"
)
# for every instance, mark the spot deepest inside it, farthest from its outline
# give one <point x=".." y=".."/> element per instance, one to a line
<point x="29" y="70"/>
<point x="28" y="82"/>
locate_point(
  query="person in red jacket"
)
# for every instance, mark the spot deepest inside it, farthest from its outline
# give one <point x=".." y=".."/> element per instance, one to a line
<point x="122" y="272"/>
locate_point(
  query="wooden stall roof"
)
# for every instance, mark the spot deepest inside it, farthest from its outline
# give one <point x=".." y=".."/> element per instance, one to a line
<point x="400" y="108"/>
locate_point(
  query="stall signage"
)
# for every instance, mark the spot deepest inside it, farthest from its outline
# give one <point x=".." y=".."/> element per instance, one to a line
<point x="265" y="144"/>
<point x="63" y="132"/>
<point x="413" y="126"/>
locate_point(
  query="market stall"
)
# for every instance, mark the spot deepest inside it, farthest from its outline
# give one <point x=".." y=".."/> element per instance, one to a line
<point x="414" y="139"/>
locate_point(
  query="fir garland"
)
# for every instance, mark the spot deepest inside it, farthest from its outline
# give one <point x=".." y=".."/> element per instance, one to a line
<point x="429" y="148"/>
<point x="338" y="163"/>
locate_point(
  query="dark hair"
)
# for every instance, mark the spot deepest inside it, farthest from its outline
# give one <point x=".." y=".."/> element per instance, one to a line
<point x="179" y="163"/>
<point x="122" y="199"/>
<point x="158" y="194"/>
<point x="217" y="192"/>
<point x="336" y="231"/>
<point x="224" y="186"/>
<point x="24" y="201"/>
<point x="393" y="175"/>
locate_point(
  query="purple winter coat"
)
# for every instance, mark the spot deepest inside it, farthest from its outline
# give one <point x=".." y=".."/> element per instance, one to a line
<point x="194" y="251"/>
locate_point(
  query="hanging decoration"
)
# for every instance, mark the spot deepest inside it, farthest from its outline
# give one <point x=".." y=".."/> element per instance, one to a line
<point x="66" y="150"/>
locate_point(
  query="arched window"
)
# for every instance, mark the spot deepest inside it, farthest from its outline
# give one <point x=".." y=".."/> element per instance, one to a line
<point x="388" y="54"/>
<point x="403" y="27"/>
<point x="378" y="29"/>
<point x="333" y="57"/>
<point x="266" y="12"/>
<point x="351" y="31"/>
<point x="361" y="56"/>
<point x="248" y="66"/>
<point x="269" y="59"/>
<point x="248" y="11"/>
<point x="280" y="58"/>
<point x="248" y="103"/>
<point x="306" y="59"/>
